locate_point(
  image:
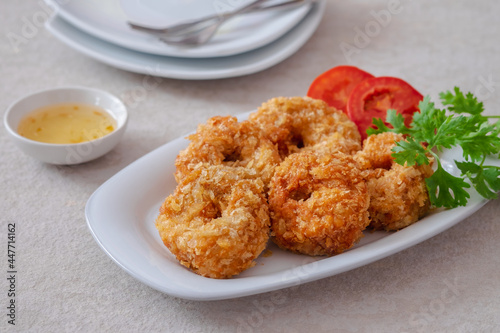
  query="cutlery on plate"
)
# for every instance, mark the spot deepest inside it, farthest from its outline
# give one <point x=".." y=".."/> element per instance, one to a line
<point x="200" y="31"/>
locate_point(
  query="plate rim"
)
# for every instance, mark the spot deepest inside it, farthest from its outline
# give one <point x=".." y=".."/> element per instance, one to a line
<point x="144" y="63"/>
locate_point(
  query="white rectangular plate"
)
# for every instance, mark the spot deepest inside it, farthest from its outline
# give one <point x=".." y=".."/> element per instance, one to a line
<point x="121" y="215"/>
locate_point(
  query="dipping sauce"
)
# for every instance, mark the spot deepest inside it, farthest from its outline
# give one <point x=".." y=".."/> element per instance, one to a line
<point x="66" y="123"/>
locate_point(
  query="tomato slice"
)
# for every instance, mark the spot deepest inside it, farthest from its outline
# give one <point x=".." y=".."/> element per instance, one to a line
<point x="335" y="85"/>
<point x="373" y="97"/>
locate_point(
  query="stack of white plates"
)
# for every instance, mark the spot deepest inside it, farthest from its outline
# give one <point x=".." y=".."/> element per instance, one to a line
<point x="246" y="44"/>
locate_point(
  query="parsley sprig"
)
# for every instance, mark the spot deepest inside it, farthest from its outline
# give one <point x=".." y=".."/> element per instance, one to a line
<point x="460" y="123"/>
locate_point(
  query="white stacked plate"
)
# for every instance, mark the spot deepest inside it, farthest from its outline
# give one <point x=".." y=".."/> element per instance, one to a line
<point x="246" y="44"/>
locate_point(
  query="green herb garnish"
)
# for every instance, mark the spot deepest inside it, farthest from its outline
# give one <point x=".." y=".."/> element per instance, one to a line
<point x="462" y="124"/>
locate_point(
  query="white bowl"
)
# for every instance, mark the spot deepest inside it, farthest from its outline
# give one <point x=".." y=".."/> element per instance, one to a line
<point x="67" y="153"/>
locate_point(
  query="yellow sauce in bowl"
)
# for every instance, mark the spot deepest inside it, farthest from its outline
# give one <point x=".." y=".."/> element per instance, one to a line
<point x="66" y="123"/>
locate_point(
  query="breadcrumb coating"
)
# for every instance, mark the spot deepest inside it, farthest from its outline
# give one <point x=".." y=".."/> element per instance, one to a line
<point x="294" y="171"/>
<point x="217" y="221"/>
<point x="377" y="151"/>
<point x="398" y="194"/>
<point x="224" y="140"/>
<point x="295" y="123"/>
<point x="398" y="197"/>
<point x="318" y="203"/>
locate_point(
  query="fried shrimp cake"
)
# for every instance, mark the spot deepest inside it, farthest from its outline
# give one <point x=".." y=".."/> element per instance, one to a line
<point x="398" y="197"/>
<point x="224" y="140"/>
<point x="296" y="123"/>
<point x="217" y="221"/>
<point x="318" y="203"/>
<point x="377" y="151"/>
<point x="398" y="194"/>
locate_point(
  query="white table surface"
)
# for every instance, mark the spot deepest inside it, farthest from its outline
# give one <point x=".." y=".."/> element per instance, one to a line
<point x="66" y="283"/>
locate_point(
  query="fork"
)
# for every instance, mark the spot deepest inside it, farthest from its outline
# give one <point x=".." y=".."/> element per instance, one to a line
<point x="200" y="31"/>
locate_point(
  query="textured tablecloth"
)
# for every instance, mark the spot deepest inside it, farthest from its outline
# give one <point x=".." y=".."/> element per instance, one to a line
<point x="66" y="283"/>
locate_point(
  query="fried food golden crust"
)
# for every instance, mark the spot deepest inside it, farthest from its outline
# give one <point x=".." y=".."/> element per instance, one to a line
<point x="217" y="221"/>
<point x="398" y="194"/>
<point x="377" y="151"/>
<point x="398" y="197"/>
<point x="224" y="140"/>
<point x="318" y="203"/>
<point x="295" y="123"/>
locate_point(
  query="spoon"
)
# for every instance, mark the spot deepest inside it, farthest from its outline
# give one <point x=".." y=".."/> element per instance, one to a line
<point x="200" y="31"/>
